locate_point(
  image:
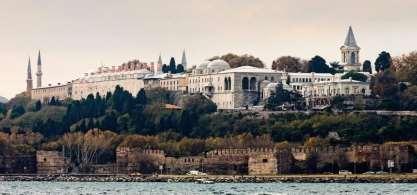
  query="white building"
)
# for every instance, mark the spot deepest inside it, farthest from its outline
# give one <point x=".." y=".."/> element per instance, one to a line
<point x="229" y="87"/>
<point x="106" y="81"/>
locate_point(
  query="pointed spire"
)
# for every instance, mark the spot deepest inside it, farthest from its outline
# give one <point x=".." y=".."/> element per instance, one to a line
<point x="159" y="59"/>
<point x="39" y="71"/>
<point x="29" y="71"/>
<point x="184" y="60"/>
<point x="39" y="58"/>
<point x="350" y="38"/>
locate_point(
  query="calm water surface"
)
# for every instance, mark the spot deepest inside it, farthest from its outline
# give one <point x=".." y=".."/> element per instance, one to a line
<point x="85" y="188"/>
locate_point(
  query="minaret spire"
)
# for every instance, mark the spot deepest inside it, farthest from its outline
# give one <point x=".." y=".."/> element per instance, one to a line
<point x="160" y="59"/>
<point x="29" y="82"/>
<point x="184" y="60"/>
<point x="158" y="65"/>
<point x="350" y="38"/>
<point x="39" y="72"/>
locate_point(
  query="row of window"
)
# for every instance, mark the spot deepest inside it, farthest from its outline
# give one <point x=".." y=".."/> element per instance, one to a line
<point x="49" y="90"/>
<point x="112" y="78"/>
<point x="335" y="91"/>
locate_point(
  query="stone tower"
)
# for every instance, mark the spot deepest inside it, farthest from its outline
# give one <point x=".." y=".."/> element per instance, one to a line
<point x="184" y="60"/>
<point x="29" y="82"/>
<point x="158" y="66"/>
<point x="350" y="52"/>
<point x="39" y="72"/>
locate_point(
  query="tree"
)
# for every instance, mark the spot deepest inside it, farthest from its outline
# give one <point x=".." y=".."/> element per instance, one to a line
<point x="338" y="102"/>
<point x="282" y="96"/>
<point x="141" y="97"/>
<point x="336" y="67"/>
<point x="3" y="111"/>
<point x="407" y="68"/>
<point x="17" y="111"/>
<point x="385" y="84"/>
<point x="383" y="62"/>
<point x="172" y="66"/>
<point x="38" y="106"/>
<point x="180" y="68"/>
<point x="86" y="148"/>
<point x="237" y="61"/>
<point x="366" y="67"/>
<point x="288" y="63"/>
<point x="355" y="76"/>
<point x="318" y="64"/>
<point x="165" y="68"/>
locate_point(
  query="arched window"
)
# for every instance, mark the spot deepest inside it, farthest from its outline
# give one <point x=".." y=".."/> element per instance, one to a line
<point x="245" y="83"/>
<point x="363" y="91"/>
<point x="252" y="84"/>
<point x="352" y="58"/>
<point x="226" y="84"/>
<point x="230" y="84"/>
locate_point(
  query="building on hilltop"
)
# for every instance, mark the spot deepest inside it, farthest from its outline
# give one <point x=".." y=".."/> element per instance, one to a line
<point x="228" y="88"/>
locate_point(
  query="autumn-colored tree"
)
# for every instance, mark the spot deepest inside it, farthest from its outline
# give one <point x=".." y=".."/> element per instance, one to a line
<point x="289" y="64"/>
<point x="140" y="141"/>
<point x="242" y="60"/>
<point x="85" y="148"/>
<point x="407" y="68"/>
<point x="385" y="84"/>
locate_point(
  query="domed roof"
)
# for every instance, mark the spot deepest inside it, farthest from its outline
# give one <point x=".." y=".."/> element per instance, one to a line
<point x="218" y="65"/>
<point x="203" y="65"/>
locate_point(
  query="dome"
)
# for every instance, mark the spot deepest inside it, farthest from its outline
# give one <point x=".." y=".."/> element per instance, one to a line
<point x="218" y="65"/>
<point x="203" y="65"/>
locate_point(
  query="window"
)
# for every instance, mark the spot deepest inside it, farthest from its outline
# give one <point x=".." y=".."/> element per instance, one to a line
<point x="352" y="58"/>
<point x="245" y="83"/>
<point x="264" y="160"/>
<point x="252" y="85"/>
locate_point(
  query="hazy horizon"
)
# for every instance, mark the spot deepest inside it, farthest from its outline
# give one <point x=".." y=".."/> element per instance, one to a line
<point x="77" y="36"/>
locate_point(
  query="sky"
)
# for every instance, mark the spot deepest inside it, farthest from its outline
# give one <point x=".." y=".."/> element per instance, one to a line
<point x="79" y="35"/>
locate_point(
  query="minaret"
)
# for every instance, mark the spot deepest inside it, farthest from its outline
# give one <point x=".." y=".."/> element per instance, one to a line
<point x="39" y="72"/>
<point x="350" y="52"/>
<point x="158" y="66"/>
<point x="29" y="82"/>
<point x="184" y="60"/>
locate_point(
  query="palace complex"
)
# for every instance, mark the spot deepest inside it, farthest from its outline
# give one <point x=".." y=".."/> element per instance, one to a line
<point x="229" y="88"/>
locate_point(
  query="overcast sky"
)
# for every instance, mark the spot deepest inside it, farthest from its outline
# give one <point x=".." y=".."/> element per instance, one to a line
<point x="76" y="36"/>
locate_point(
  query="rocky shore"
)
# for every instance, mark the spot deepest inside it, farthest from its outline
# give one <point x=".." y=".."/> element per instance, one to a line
<point x="389" y="178"/>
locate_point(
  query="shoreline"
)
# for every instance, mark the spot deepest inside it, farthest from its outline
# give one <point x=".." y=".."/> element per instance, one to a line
<point x="358" y="178"/>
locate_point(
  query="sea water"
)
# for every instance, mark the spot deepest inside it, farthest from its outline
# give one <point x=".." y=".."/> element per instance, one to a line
<point x="155" y="188"/>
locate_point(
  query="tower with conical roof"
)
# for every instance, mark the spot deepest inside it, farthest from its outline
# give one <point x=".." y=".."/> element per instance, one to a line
<point x="350" y="52"/>
<point x="184" y="60"/>
<point x="39" y="72"/>
<point x="29" y="82"/>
